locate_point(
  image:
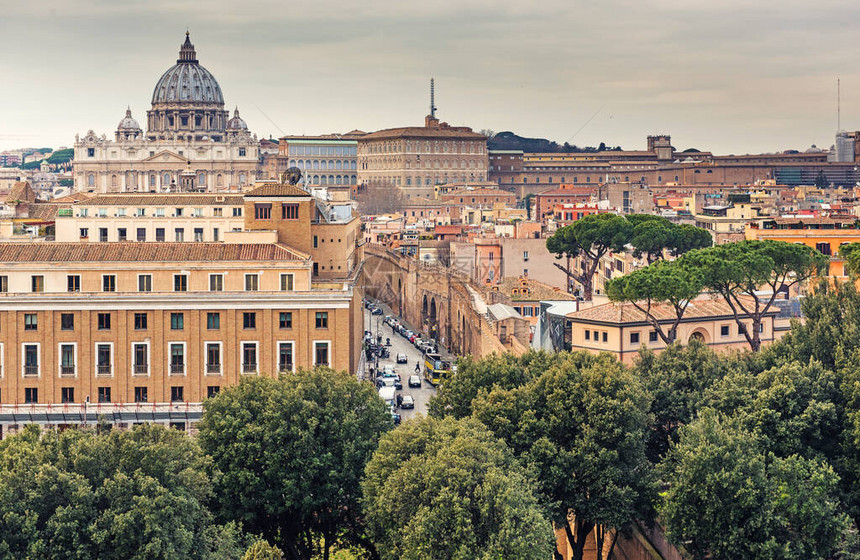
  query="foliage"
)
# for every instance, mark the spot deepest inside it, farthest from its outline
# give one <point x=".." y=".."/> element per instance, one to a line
<point x="290" y="452"/>
<point x="672" y="283"/>
<point x="590" y="238"/>
<point x="447" y="489"/>
<point x="737" y="271"/>
<point x="677" y="379"/>
<point x="62" y="156"/>
<point x="581" y="424"/>
<point x="728" y="497"/>
<point x="136" y="494"/>
<point x="851" y="253"/>
<point x="375" y="199"/>
<point x="262" y="550"/>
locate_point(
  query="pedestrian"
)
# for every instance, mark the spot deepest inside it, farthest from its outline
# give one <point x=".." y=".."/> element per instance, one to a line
<point x="417" y="366"/>
<point x="399" y="400"/>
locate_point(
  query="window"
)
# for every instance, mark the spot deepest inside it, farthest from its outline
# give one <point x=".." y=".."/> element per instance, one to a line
<point x="37" y="283"/>
<point x="180" y="282"/>
<point x="91" y="152"/>
<point x="587" y="334"/>
<point x="724" y="330"/>
<point x="31" y="322"/>
<point x="212" y="391"/>
<point x="322" y="319"/>
<point x="4" y="284"/>
<point x="249" y="357"/>
<point x="104" y="359"/>
<point x="74" y="283"/>
<point x="213" y="321"/>
<point x="67" y="321"/>
<point x="103" y="321"/>
<point x="290" y="211"/>
<point x="634" y="338"/>
<point x="103" y="235"/>
<point x="177" y="321"/>
<point x="140" y="322"/>
<point x="241" y="152"/>
<point x="85" y="233"/>
<point x="159" y="234"/>
<point x="198" y="235"/>
<point x="216" y="234"/>
<point x="249" y="320"/>
<point x="525" y="255"/>
<point x="104" y="394"/>
<point x="321" y="357"/>
<point x="217" y="212"/>
<point x="177" y="394"/>
<point x="285" y="319"/>
<point x="823" y="247"/>
<point x="177" y="358"/>
<point x="237" y="212"/>
<point x="141" y="394"/>
<point x="144" y="282"/>
<point x="109" y="283"/>
<point x="287" y="282"/>
<point x="605" y="337"/>
<point x="31" y="394"/>
<point x="67" y="360"/>
<point x="177" y="212"/>
<point x="316" y="242"/>
<point x="216" y="282"/>
<point x="596" y="336"/>
<point x="263" y="211"/>
<point x="122" y="234"/>
<point x="141" y="234"/>
<point x="652" y="336"/>
<point x="140" y="357"/>
<point x="179" y="234"/>
<point x="285" y="357"/>
<point x="67" y="394"/>
<point x="213" y="357"/>
<point x="251" y="282"/>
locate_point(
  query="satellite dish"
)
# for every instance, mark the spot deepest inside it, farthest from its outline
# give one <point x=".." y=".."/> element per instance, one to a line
<point x="291" y="176"/>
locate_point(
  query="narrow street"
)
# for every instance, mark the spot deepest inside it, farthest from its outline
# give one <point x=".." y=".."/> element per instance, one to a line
<point x="400" y="345"/>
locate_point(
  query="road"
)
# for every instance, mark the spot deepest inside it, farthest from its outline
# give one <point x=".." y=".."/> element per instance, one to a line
<point x="401" y="345"/>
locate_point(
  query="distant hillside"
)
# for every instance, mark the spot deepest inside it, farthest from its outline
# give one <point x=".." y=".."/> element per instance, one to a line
<point x="510" y="141"/>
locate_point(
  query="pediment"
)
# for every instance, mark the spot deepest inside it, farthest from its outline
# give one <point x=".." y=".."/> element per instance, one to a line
<point x="166" y="156"/>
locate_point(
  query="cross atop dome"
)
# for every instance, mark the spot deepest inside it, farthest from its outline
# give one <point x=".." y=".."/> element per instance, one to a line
<point x="187" y="52"/>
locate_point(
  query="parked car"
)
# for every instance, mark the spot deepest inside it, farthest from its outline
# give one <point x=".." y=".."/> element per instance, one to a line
<point x="396" y="418"/>
<point x="387" y="319"/>
<point x="376" y="310"/>
<point x="397" y="383"/>
<point x="402" y="358"/>
<point x="417" y="341"/>
<point x="414" y="381"/>
<point x="407" y="402"/>
<point x="388" y="369"/>
<point x="388" y="382"/>
<point x="407" y="334"/>
<point x="412" y="337"/>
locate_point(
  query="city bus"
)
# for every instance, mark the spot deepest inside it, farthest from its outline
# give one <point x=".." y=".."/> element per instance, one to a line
<point x="435" y="368"/>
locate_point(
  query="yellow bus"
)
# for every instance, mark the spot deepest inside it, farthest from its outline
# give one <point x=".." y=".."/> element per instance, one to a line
<point x="435" y="368"/>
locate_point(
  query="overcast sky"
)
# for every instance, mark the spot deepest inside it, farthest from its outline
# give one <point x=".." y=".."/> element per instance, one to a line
<point x="730" y="76"/>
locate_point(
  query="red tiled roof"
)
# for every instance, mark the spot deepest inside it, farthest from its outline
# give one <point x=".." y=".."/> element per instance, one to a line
<point x="146" y="252"/>
<point x="162" y="199"/>
<point x="702" y="307"/>
<point x="277" y="191"/>
<point x="473" y="192"/>
<point x="424" y="132"/>
<point x="447" y="229"/>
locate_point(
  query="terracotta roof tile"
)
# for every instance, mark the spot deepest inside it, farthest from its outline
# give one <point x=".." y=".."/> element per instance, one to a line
<point x="423" y="132"/>
<point x="163" y="199"/>
<point x="145" y="252"/>
<point x="538" y="291"/>
<point x="277" y="190"/>
<point x="624" y="313"/>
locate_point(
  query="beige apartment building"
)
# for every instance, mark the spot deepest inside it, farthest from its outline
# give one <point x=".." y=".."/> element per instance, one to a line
<point x="118" y="324"/>
<point x="415" y="159"/>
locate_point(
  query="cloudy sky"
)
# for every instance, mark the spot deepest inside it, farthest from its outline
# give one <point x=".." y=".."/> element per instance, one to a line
<point x="731" y="76"/>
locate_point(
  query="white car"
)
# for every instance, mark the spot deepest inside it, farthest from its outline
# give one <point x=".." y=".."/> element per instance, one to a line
<point x="407" y="402"/>
<point x="414" y="381"/>
<point x="402" y="358"/>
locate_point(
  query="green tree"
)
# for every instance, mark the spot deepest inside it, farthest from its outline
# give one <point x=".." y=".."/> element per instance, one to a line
<point x="653" y="288"/>
<point x="677" y="379"/>
<point x="738" y="271"/>
<point x="136" y="494"/>
<point x="689" y="237"/>
<point x="581" y="424"/>
<point x="652" y="235"/>
<point x="447" y="489"/>
<point x="728" y="497"/>
<point x="589" y="239"/>
<point x="821" y="180"/>
<point x="291" y="452"/>
<point x="262" y="550"/>
<point x="850" y="252"/>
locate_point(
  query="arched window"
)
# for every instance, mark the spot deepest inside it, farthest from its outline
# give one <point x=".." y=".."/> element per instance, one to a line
<point x="152" y="180"/>
<point x="113" y="180"/>
<point x="166" y="179"/>
<point x="292" y="163"/>
<point x="301" y="164"/>
<point x="316" y="164"/>
<point x="91" y="180"/>
<point x="201" y="180"/>
<point x="353" y="179"/>
<point x="219" y="180"/>
<point x="353" y="166"/>
<point x="316" y="180"/>
<point x="242" y="178"/>
<point x="331" y="164"/>
<point x="331" y="179"/>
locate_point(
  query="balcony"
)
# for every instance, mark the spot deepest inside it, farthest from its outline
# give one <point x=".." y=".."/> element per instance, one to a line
<point x="103" y="370"/>
<point x="140" y="369"/>
<point x="177" y="369"/>
<point x="249" y="368"/>
<point x="213" y="368"/>
<point x="31" y="371"/>
<point x="67" y="371"/>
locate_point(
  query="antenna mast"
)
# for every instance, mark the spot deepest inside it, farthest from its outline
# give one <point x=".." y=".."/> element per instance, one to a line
<point x="432" y="99"/>
<point x="838" y="106"/>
